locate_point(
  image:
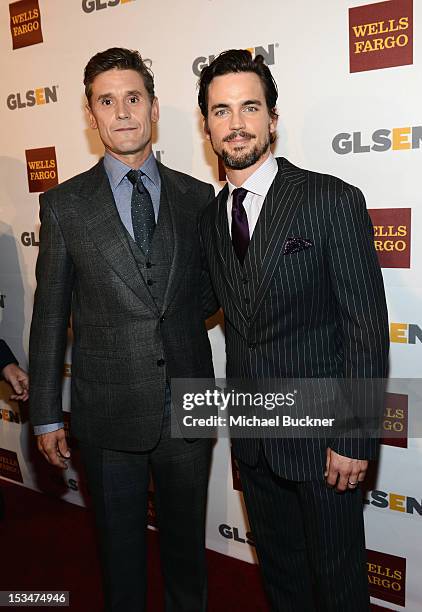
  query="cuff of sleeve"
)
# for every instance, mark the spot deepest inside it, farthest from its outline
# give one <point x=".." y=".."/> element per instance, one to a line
<point x="42" y="429"/>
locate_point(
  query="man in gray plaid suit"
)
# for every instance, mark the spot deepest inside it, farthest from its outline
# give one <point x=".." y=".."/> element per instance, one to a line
<point x="120" y="253"/>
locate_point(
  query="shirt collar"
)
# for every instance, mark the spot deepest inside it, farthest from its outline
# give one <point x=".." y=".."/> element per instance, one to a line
<point x="117" y="170"/>
<point x="259" y="182"/>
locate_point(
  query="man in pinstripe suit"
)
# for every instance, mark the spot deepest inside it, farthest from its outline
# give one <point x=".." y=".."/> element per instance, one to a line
<point x="292" y="261"/>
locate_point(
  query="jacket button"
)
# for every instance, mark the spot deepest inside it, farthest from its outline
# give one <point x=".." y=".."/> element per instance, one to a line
<point x="160" y="363"/>
<point x="150" y="282"/>
<point x="148" y="264"/>
<point x="162" y="319"/>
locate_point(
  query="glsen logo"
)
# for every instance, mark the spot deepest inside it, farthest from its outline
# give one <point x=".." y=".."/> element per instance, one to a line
<point x="268" y="53"/>
<point x="9" y="416"/>
<point x="397" y="139"/>
<point x="381" y="35"/>
<point x="387" y="577"/>
<point x="232" y="533"/>
<point x="29" y="239"/>
<point x="88" y="6"/>
<point x="395" y="421"/>
<point x="237" y="485"/>
<point x="394" y="501"/>
<point x="25" y="23"/>
<point x="392" y="237"/>
<point x="41" y="168"/>
<point x="33" y="97"/>
<point x="405" y="333"/>
<point x="9" y="465"/>
<point x="2" y="300"/>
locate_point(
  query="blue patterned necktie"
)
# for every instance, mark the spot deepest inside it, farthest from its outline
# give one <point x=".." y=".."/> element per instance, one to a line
<point x="143" y="217"/>
<point x="240" y="227"/>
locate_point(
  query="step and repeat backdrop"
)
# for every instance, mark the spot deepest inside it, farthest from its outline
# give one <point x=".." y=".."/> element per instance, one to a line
<point x="350" y="89"/>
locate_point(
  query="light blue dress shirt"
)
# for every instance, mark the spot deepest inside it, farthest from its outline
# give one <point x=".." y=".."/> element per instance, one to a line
<point x="122" y="193"/>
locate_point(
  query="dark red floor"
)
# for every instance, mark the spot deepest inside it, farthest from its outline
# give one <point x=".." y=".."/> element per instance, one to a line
<point x="49" y="544"/>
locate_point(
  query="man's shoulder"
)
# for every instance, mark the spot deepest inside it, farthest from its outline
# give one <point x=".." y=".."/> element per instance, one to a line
<point x="321" y="181"/>
<point x="75" y="184"/>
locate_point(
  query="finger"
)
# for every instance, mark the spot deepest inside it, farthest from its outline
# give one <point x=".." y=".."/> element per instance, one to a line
<point x="332" y="476"/>
<point x="327" y="463"/>
<point x="17" y="387"/>
<point x="50" y="452"/>
<point x="362" y="475"/>
<point x="63" y="448"/>
<point x="343" y="482"/>
<point x="353" y="479"/>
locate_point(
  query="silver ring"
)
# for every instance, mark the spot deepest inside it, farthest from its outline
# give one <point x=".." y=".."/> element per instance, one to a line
<point x="353" y="483"/>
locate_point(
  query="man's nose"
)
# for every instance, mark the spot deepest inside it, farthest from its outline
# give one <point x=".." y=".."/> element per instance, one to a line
<point x="122" y="110"/>
<point x="237" y="120"/>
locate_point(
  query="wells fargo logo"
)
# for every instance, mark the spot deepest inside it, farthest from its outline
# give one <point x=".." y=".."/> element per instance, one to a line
<point x="9" y="465"/>
<point x="42" y="169"/>
<point x="396" y="139"/>
<point x="381" y="35"/>
<point x="387" y="577"/>
<point x="392" y="236"/>
<point x="395" y="421"/>
<point x="25" y="23"/>
<point x="88" y="6"/>
<point x="268" y="53"/>
<point x="33" y="97"/>
<point x="405" y="333"/>
<point x="394" y="501"/>
<point x="237" y="485"/>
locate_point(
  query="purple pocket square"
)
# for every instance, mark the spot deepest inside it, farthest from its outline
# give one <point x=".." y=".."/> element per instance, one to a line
<point x="295" y="244"/>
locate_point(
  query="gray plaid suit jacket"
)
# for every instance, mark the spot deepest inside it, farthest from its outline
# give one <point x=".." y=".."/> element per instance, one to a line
<point x="307" y="303"/>
<point x="124" y="346"/>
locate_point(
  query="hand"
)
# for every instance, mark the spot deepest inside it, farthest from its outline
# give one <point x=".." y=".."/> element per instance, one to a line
<point x="54" y="447"/>
<point x="342" y="472"/>
<point x="19" y="381"/>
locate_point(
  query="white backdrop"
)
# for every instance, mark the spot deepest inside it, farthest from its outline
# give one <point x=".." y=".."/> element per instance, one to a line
<point x="321" y="96"/>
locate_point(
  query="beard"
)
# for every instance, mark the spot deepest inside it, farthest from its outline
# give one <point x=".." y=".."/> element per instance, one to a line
<point x="239" y="160"/>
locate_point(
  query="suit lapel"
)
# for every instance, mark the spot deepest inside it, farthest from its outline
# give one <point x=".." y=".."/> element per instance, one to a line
<point x="180" y="221"/>
<point x="108" y="234"/>
<point x="229" y="263"/>
<point x="279" y="210"/>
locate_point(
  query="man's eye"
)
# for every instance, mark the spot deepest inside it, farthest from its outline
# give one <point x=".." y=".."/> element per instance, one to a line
<point x="250" y="109"/>
<point x="133" y="99"/>
<point x="106" y="101"/>
<point x="221" y="112"/>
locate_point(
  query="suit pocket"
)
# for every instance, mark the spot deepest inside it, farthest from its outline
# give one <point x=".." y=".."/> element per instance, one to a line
<point x="97" y="340"/>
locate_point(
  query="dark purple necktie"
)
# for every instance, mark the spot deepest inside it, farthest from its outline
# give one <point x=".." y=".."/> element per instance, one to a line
<point x="240" y="227"/>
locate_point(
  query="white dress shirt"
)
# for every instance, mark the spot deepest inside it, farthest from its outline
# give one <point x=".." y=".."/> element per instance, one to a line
<point x="257" y="186"/>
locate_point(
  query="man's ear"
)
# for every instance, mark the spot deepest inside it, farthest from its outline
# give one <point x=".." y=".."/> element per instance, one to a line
<point x="91" y="119"/>
<point x="206" y="130"/>
<point x="155" y="110"/>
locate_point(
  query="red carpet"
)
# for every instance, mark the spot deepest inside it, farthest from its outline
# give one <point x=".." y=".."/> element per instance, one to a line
<point x="48" y="544"/>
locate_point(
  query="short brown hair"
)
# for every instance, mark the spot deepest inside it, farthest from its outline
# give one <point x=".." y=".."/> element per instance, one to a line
<point x="238" y="60"/>
<point x="122" y="59"/>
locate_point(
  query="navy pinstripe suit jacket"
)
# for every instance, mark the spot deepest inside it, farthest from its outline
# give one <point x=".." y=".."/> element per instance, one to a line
<point x="318" y="312"/>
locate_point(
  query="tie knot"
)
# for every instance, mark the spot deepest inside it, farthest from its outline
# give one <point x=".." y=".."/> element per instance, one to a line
<point x="134" y="176"/>
<point x="238" y="196"/>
